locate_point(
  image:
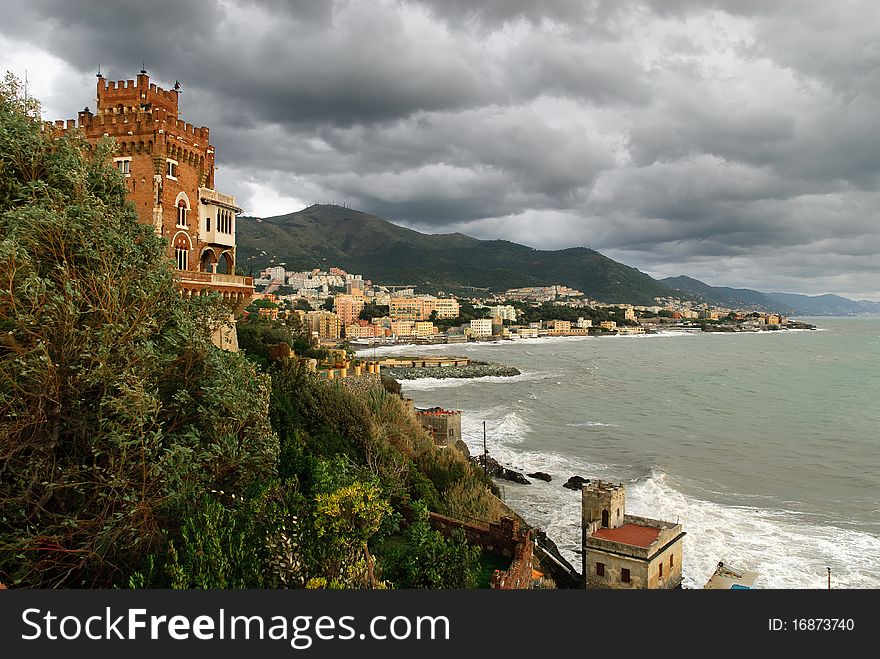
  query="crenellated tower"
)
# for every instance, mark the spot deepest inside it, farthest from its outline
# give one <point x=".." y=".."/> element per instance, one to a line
<point x="168" y="166"/>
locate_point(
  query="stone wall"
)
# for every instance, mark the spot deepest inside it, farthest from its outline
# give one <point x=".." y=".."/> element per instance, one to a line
<point x="504" y="538"/>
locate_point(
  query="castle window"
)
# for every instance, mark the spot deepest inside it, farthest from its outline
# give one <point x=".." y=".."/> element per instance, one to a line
<point x="661" y="570"/>
<point x="600" y="569"/>
<point x="171" y="171"/>
<point x="181" y="213"/>
<point x="208" y="223"/>
<point x="123" y="165"/>
<point x="182" y="257"/>
<point x="624" y="575"/>
<point x="671" y="561"/>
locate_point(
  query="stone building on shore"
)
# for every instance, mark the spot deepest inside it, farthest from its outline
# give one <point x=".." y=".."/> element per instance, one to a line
<point x="623" y="551"/>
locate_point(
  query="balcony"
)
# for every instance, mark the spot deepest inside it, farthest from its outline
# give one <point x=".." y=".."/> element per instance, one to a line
<point x="235" y="290"/>
<point x="217" y="213"/>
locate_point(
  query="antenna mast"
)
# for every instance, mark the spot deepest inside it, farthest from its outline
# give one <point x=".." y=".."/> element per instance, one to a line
<point x="485" y="452"/>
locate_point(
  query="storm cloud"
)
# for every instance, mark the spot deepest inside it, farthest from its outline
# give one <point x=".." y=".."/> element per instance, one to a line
<point x="735" y="142"/>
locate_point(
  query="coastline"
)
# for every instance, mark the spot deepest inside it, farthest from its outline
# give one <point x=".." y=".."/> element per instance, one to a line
<point x="682" y="465"/>
<point x="394" y="348"/>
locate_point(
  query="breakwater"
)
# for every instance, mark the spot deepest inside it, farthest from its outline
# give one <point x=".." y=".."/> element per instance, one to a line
<point x="472" y="370"/>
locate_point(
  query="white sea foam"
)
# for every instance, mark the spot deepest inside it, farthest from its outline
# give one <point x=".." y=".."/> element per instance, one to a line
<point x="787" y="549"/>
<point x="591" y="424"/>
<point x="425" y="384"/>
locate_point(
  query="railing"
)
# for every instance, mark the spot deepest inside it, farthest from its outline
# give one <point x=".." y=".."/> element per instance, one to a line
<point x="216" y="278"/>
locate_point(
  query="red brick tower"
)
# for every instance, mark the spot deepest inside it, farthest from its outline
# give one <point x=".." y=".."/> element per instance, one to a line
<point x="169" y="169"/>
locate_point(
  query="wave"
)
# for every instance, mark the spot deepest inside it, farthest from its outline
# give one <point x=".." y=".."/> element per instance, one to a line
<point x="591" y="424"/>
<point x="787" y="549"/>
<point x="425" y="384"/>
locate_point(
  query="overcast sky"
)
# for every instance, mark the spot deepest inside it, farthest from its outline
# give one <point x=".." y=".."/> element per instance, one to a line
<point x="737" y="142"/>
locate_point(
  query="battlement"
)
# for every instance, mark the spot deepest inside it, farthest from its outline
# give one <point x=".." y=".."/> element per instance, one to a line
<point x="139" y="88"/>
<point x="436" y="411"/>
<point x="602" y="488"/>
<point x="133" y="120"/>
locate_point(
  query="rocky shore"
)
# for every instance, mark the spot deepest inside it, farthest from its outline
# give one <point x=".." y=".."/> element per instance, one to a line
<point x="472" y="370"/>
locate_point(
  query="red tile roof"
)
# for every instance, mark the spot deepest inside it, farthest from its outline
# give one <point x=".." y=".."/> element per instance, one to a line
<point x="629" y="534"/>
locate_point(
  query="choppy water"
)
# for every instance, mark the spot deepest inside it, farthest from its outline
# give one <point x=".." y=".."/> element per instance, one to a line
<point x="764" y="446"/>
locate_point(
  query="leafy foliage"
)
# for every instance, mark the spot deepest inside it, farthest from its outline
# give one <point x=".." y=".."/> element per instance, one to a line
<point x="426" y="559"/>
<point x="117" y="411"/>
<point x="132" y="451"/>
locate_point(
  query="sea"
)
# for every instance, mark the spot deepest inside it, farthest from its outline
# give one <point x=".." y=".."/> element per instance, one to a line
<point x="764" y="446"/>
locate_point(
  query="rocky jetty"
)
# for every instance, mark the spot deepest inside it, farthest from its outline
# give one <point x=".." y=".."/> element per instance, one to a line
<point x="472" y="370"/>
<point x="541" y="476"/>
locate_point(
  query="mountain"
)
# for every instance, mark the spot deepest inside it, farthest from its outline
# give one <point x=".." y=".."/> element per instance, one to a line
<point x="790" y="304"/>
<point x="827" y="305"/>
<point x="328" y="235"/>
<point x="722" y="296"/>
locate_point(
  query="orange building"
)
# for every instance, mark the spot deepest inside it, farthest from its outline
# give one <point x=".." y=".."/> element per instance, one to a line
<point x="168" y="166"/>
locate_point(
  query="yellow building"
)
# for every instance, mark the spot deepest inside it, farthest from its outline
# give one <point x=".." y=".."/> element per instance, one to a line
<point x="446" y="307"/>
<point x="420" y="307"/>
<point x="405" y="308"/>
<point x="403" y="327"/>
<point x="324" y="324"/>
<point x="424" y="328"/>
<point x="363" y="331"/>
<point x="608" y="325"/>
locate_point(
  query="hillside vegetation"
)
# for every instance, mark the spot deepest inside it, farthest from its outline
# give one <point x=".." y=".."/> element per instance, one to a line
<point x="135" y="453"/>
<point x="324" y="236"/>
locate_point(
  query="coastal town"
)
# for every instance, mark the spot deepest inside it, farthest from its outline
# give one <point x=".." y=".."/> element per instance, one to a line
<point x="341" y="307"/>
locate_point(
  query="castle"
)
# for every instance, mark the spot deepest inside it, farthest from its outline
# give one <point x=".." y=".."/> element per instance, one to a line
<point x="168" y="167"/>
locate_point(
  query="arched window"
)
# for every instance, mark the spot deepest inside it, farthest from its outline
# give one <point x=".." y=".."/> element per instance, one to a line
<point x="182" y="256"/>
<point x="605" y="518"/>
<point x="181" y="202"/>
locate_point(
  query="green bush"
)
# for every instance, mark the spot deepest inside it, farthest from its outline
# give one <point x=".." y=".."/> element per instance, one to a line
<point x="116" y="411"/>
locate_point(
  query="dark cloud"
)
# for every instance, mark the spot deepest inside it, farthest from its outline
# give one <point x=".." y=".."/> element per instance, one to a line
<point x="733" y="141"/>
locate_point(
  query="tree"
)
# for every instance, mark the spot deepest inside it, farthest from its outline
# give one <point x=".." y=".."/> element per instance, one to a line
<point x="429" y="560"/>
<point x="116" y="411"/>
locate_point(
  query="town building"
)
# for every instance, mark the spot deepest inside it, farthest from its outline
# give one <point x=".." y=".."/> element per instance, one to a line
<point x="323" y="324"/>
<point x="623" y="551"/>
<point x="403" y="327"/>
<point x="168" y="166"/>
<point x="348" y="308"/>
<point x="405" y="307"/>
<point x="420" y="307"/>
<point x="559" y="326"/>
<point x="446" y="307"/>
<point x="363" y="330"/>
<point x="503" y="311"/>
<point x="584" y="323"/>
<point x="423" y="328"/>
<point x="481" y="327"/>
<point x="608" y="325"/>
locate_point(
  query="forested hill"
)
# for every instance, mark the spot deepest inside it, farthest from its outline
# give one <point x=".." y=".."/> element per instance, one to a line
<point x="327" y="235"/>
